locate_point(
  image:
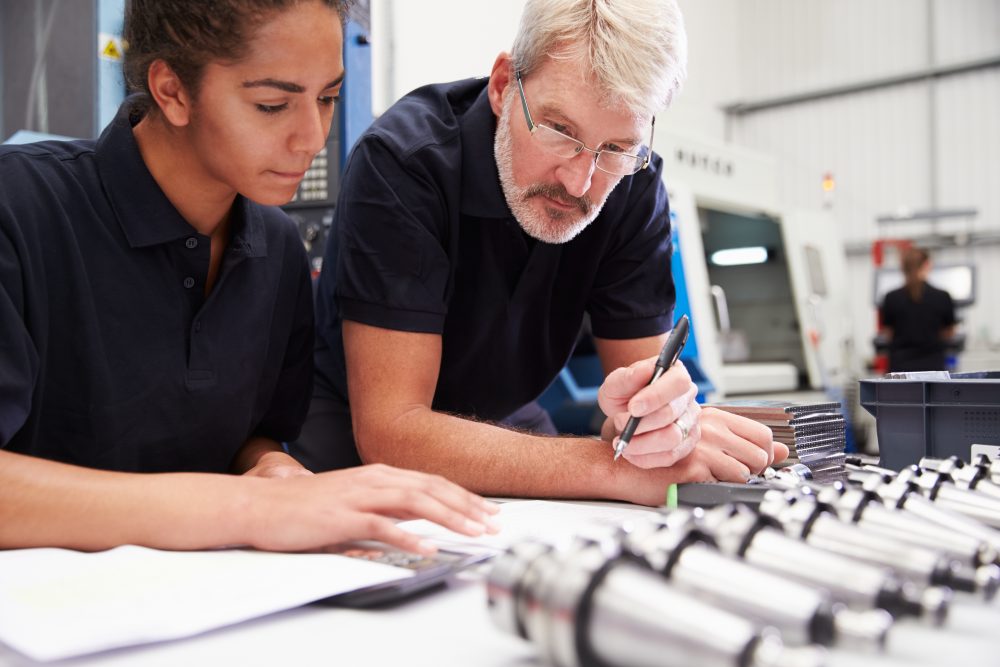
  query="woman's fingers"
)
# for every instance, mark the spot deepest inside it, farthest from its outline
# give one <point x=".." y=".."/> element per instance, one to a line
<point x="364" y="526"/>
<point x="414" y="504"/>
<point x="445" y="492"/>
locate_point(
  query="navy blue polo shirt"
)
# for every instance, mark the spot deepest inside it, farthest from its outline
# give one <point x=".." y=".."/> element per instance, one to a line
<point x="111" y="356"/>
<point x="423" y="241"/>
<point x="916" y="343"/>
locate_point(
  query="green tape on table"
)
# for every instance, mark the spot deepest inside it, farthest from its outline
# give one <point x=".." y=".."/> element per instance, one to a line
<point x="672" y="496"/>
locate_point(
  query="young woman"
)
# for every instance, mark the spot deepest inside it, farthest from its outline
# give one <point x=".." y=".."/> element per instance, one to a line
<point x="155" y="310"/>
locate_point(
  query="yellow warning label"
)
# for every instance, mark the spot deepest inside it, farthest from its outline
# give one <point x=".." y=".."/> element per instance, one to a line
<point x="110" y="50"/>
<point x="110" y="47"/>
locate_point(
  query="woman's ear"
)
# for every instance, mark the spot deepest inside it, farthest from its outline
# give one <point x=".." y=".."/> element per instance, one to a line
<point x="169" y="93"/>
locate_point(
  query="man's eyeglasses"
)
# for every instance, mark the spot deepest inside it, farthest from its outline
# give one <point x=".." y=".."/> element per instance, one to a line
<point x="611" y="161"/>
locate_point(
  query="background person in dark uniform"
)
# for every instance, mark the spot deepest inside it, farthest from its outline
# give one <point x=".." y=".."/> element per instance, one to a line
<point x="478" y="222"/>
<point x="917" y="319"/>
<point x="155" y="310"/>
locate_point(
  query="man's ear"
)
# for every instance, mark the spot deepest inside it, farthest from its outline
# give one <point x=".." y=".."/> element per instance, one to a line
<point x="169" y="93"/>
<point x="501" y="76"/>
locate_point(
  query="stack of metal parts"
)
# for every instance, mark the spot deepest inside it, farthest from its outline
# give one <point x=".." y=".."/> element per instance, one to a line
<point x="815" y="566"/>
<point x="815" y="434"/>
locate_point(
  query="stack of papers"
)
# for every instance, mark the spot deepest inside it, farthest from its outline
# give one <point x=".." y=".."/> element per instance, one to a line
<point x="58" y="603"/>
<point x="555" y="523"/>
<point x="815" y="434"/>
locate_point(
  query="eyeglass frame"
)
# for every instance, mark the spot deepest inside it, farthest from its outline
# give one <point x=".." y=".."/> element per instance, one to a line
<point x="532" y="126"/>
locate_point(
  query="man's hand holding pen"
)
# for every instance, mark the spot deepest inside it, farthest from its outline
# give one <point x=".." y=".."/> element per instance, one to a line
<point x="669" y="428"/>
<point x="654" y="422"/>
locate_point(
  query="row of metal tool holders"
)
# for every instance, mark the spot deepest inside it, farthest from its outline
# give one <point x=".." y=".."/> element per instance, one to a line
<point x="813" y="566"/>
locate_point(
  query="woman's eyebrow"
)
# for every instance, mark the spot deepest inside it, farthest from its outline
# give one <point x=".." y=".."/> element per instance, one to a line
<point x="288" y="86"/>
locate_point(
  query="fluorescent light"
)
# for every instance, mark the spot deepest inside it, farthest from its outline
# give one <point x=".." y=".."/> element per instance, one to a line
<point x="740" y="256"/>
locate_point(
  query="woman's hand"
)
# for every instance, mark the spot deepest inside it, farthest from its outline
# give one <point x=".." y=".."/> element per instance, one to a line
<point x="302" y="513"/>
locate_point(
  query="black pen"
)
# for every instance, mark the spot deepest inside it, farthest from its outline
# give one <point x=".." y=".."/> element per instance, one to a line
<point x="668" y="355"/>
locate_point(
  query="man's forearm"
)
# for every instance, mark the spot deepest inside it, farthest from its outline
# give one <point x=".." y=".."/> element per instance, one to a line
<point x="492" y="460"/>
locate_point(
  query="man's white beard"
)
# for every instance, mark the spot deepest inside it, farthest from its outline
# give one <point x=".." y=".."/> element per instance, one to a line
<point x="552" y="225"/>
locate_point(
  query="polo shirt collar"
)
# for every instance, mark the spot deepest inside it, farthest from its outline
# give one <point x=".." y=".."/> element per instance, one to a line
<point x="145" y="214"/>
<point x="482" y="195"/>
<point x="247" y="231"/>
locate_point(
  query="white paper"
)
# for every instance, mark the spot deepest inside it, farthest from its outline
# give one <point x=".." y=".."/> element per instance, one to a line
<point x="56" y="603"/>
<point x="552" y="521"/>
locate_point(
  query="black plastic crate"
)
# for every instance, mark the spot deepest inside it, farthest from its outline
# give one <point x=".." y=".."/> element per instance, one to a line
<point x="939" y="418"/>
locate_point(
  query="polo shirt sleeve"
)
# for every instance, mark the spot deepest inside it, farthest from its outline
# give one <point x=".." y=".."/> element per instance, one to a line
<point x="633" y="294"/>
<point x="19" y="359"/>
<point x="392" y="268"/>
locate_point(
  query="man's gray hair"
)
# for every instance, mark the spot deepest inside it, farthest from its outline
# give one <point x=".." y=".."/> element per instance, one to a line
<point x="636" y="49"/>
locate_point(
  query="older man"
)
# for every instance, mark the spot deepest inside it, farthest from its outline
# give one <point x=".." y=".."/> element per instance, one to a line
<point x="479" y="221"/>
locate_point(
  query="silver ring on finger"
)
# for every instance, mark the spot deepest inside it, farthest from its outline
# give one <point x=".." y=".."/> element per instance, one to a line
<point x="683" y="428"/>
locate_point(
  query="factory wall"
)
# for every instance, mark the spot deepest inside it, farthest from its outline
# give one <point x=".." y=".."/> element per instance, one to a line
<point x="928" y="144"/>
<point x="47" y="67"/>
<point x="415" y="43"/>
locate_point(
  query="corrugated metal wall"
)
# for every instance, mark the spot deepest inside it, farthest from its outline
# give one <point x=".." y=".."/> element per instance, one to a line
<point x="48" y="75"/>
<point x="933" y="143"/>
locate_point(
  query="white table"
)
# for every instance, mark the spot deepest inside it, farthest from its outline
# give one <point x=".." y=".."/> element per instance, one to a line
<point x="451" y="628"/>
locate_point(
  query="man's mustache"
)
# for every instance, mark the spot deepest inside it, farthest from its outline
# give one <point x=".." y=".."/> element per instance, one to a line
<point x="558" y="192"/>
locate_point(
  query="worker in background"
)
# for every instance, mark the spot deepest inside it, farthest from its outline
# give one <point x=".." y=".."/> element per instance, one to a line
<point x="479" y="221"/>
<point x="917" y="319"/>
<point x="156" y="310"/>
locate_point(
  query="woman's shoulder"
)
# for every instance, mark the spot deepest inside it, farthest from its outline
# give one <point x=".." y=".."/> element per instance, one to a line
<point x="17" y="159"/>
<point x="47" y="176"/>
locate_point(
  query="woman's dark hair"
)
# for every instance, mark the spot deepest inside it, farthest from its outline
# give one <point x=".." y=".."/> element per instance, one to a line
<point x="188" y="34"/>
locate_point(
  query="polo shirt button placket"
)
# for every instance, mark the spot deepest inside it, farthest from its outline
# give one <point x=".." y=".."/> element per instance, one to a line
<point x="188" y="282"/>
<point x="191" y="242"/>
